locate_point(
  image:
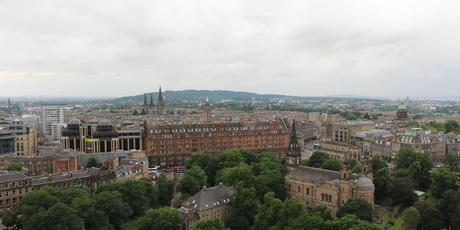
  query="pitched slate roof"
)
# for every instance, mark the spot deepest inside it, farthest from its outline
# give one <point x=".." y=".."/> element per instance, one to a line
<point x="209" y="198"/>
<point x="304" y="173"/>
<point x="12" y="176"/>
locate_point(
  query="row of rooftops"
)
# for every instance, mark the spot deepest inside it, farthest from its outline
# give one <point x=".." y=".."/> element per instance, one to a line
<point x="13" y="176"/>
<point x="11" y="128"/>
<point x="208" y="198"/>
<point x="321" y="176"/>
<point x="212" y="127"/>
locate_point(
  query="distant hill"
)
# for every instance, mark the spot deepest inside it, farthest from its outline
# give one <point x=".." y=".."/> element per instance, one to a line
<point x="201" y="95"/>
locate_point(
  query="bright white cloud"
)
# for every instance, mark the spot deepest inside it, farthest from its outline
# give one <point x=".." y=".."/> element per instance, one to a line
<point x="114" y="48"/>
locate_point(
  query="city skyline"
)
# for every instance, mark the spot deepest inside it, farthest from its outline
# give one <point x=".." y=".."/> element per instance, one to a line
<point x="299" y="48"/>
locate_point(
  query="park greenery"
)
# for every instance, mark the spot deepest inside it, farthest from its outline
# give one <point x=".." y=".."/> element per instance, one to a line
<point x="259" y="202"/>
<point x="322" y="160"/>
<point x="414" y="171"/>
<point x="15" y="166"/>
<point x="445" y="127"/>
<point x="130" y="203"/>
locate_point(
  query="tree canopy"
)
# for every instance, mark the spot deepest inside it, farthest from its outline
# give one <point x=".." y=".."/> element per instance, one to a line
<point x="358" y="207"/>
<point x="76" y="208"/>
<point x="415" y="165"/>
<point x="15" y="166"/>
<point x="213" y="224"/>
<point x="317" y="159"/>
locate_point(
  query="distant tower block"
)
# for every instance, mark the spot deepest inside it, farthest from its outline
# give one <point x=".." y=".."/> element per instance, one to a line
<point x="160" y="103"/>
<point x="9" y="103"/>
<point x="207" y="112"/>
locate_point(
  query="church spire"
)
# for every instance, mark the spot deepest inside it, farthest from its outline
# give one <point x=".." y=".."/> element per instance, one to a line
<point x="160" y="95"/>
<point x="145" y="101"/>
<point x="151" y="101"/>
<point x="294" y="147"/>
<point x="160" y="102"/>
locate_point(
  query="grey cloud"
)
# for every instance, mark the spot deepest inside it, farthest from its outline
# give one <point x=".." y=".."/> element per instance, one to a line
<point x="290" y="47"/>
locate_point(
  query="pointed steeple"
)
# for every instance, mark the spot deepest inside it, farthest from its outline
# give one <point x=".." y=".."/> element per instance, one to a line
<point x="151" y="101"/>
<point x="160" y="103"/>
<point x="160" y="95"/>
<point x="145" y="101"/>
<point x="294" y="147"/>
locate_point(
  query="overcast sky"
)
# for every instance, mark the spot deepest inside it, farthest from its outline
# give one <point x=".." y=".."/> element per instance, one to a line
<point x="116" y="48"/>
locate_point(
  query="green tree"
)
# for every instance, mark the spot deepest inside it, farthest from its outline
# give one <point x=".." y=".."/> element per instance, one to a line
<point x="93" y="218"/>
<point x="15" y="166"/>
<point x="210" y="164"/>
<point x="92" y="162"/>
<point x="351" y="222"/>
<point x="61" y="216"/>
<point x="442" y="180"/>
<point x="242" y="209"/>
<point x="58" y="216"/>
<point x="165" y="190"/>
<point x="358" y="168"/>
<point x="382" y="182"/>
<point x="430" y="216"/>
<point x="140" y="195"/>
<point x="317" y="159"/>
<point x="269" y="176"/>
<point x="68" y="195"/>
<point x="416" y="165"/>
<point x="358" y="207"/>
<point x="42" y="199"/>
<point x="411" y="219"/>
<point x="213" y="224"/>
<point x="323" y="212"/>
<point x="294" y="216"/>
<point x="452" y="162"/>
<point x="450" y="204"/>
<point x="377" y="164"/>
<point x="111" y="203"/>
<point x="232" y="158"/>
<point x="232" y="176"/>
<point x="158" y="219"/>
<point x="350" y="163"/>
<point x="402" y="192"/>
<point x="268" y="213"/>
<point x="192" y="181"/>
<point x="10" y="219"/>
<point x="451" y="126"/>
<point x="135" y="113"/>
<point x="332" y="165"/>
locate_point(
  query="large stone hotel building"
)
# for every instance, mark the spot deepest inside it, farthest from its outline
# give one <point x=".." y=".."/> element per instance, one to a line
<point x="172" y="144"/>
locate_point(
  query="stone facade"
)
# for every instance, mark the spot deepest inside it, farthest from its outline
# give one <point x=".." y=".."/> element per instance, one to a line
<point x="209" y="203"/>
<point x="314" y="187"/>
<point x="14" y="185"/>
<point x="173" y="144"/>
<point x="17" y="139"/>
